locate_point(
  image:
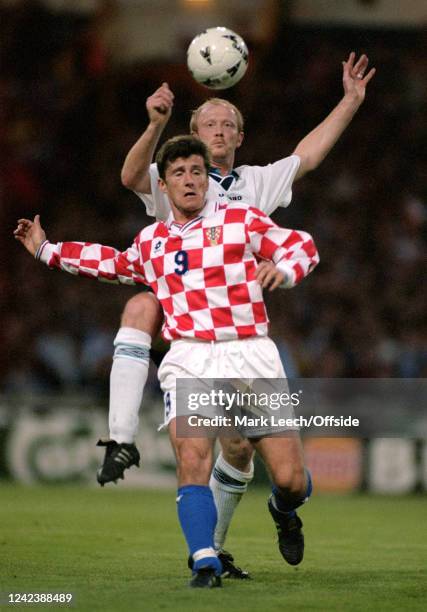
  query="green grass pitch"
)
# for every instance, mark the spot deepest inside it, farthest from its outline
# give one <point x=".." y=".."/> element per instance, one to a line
<point x="121" y="549"/>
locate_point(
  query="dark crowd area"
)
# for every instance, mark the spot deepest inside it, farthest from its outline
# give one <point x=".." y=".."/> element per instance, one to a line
<point x="69" y="115"/>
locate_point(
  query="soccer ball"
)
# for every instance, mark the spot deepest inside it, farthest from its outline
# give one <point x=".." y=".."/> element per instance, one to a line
<point x="217" y="58"/>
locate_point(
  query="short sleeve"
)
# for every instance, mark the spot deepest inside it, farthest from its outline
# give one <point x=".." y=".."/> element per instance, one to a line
<point x="272" y="184"/>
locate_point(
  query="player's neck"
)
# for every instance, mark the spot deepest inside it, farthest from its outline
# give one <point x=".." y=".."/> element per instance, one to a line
<point x="224" y="166"/>
<point x="182" y="216"/>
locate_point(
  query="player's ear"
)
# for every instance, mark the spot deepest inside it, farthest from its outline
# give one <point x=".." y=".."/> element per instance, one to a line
<point x="240" y="139"/>
<point x="162" y="185"/>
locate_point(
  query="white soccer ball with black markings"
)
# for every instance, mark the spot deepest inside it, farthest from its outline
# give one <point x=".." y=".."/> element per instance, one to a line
<point x="217" y="58"/>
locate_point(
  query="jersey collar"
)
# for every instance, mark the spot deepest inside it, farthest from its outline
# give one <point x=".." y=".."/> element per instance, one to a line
<point x="224" y="181"/>
<point x="181" y="227"/>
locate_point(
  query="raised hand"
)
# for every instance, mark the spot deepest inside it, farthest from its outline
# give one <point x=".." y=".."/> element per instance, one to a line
<point x="354" y="78"/>
<point x="159" y="104"/>
<point x="30" y="234"/>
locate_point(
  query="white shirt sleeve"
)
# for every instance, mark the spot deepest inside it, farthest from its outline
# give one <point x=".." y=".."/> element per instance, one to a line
<point x="156" y="203"/>
<point x="272" y="184"/>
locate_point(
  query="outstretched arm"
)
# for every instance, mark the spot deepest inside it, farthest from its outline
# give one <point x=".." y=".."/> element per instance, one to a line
<point x="135" y="170"/>
<point x="313" y="149"/>
<point x="97" y="261"/>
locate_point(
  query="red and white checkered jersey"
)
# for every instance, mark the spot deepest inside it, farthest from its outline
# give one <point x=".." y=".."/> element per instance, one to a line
<point x="269" y="186"/>
<point x="203" y="272"/>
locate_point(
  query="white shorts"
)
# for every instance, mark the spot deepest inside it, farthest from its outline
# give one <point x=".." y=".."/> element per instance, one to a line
<point x="255" y="357"/>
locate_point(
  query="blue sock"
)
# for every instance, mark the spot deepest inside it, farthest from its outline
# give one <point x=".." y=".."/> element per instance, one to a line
<point x="197" y="516"/>
<point x="289" y="505"/>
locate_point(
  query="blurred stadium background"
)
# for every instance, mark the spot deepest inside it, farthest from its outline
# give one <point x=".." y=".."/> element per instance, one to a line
<point x="74" y="78"/>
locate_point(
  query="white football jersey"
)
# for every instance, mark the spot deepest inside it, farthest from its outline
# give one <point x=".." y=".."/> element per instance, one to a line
<point x="265" y="187"/>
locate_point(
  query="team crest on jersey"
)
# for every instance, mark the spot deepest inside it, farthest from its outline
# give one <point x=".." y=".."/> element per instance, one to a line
<point x="213" y="235"/>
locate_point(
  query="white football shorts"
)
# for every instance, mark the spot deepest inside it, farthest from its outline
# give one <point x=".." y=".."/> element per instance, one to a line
<point x="255" y="357"/>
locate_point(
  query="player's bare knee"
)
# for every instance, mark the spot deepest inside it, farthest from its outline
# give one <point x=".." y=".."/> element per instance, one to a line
<point x="290" y="480"/>
<point x="237" y="453"/>
<point x="143" y="312"/>
<point x="194" y="464"/>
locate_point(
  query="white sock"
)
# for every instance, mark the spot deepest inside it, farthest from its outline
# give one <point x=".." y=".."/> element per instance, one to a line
<point x="228" y="485"/>
<point x="127" y="381"/>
